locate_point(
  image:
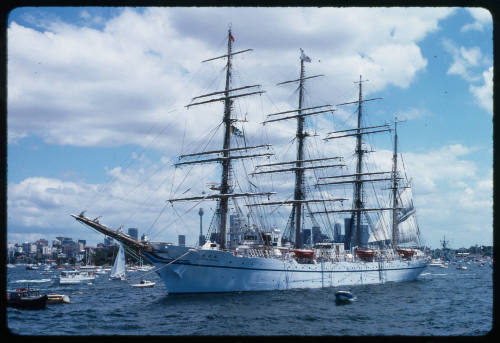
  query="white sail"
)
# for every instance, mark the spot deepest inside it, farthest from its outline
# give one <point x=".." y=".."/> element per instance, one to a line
<point x="118" y="270"/>
<point x="382" y="229"/>
<point x="407" y="223"/>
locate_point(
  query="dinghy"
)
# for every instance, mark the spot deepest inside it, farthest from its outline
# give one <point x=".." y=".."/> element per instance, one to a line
<point x="144" y="283"/>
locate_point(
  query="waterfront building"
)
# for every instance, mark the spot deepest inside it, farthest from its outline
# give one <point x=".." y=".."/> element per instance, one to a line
<point x="134" y="233"/>
<point x="347" y="231"/>
<point x="182" y="240"/>
<point x="316" y="235"/>
<point x="81" y="244"/>
<point x="337" y="231"/>
<point x="108" y="241"/>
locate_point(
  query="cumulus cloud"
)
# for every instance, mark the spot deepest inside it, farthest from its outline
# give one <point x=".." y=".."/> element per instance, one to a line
<point x="465" y="60"/>
<point x="413" y="113"/>
<point x="446" y="185"/>
<point x="440" y="166"/>
<point x="108" y="85"/>
<point x="451" y="196"/>
<point x="484" y="92"/>
<point x="482" y="18"/>
<point x="126" y="81"/>
<point x="468" y="64"/>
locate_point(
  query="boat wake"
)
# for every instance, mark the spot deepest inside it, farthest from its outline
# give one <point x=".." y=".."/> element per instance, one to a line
<point x="33" y="281"/>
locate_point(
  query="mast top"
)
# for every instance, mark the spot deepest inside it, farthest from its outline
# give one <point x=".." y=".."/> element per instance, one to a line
<point x="360" y="80"/>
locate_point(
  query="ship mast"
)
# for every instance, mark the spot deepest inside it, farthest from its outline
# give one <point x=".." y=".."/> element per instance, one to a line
<point x="299" y="172"/>
<point x="354" y="230"/>
<point x="297" y="215"/>
<point x="225" y="155"/>
<point x="395" y="185"/>
<point x="358" y="201"/>
<point x="226" y="163"/>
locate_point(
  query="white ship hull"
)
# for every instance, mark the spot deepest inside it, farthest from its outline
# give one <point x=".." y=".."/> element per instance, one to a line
<point x="205" y="271"/>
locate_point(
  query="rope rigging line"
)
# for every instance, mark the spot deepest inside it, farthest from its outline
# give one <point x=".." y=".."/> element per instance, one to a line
<point x="166" y="265"/>
<point x="112" y="178"/>
<point x="191" y="168"/>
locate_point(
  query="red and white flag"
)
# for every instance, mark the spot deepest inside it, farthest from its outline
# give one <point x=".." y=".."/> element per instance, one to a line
<point x="303" y="56"/>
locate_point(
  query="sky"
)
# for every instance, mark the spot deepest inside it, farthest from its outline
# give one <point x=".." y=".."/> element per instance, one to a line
<point x="97" y="117"/>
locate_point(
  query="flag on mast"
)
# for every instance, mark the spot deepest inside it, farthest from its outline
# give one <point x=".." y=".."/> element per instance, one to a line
<point x="303" y="56"/>
<point x="235" y="131"/>
<point x="231" y="36"/>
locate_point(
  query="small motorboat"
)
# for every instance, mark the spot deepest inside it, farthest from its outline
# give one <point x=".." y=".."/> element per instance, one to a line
<point x="53" y="298"/>
<point x="144" y="283"/>
<point x="461" y="266"/>
<point x="344" y="297"/>
<point x="26" y="298"/>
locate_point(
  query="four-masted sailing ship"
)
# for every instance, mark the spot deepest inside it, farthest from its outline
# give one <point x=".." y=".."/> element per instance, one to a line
<point x="256" y="257"/>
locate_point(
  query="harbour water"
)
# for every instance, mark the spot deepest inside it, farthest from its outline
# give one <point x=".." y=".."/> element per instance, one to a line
<point x="441" y="302"/>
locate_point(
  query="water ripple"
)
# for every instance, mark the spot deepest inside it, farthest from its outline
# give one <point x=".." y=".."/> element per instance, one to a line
<point x="437" y="304"/>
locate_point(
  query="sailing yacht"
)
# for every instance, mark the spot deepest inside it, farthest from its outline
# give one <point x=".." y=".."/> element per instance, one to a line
<point x="118" y="270"/>
<point x="259" y="258"/>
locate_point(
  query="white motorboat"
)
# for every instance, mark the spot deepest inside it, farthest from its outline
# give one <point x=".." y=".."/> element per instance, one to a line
<point x="70" y="277"/>
<point x="144" y="283"/>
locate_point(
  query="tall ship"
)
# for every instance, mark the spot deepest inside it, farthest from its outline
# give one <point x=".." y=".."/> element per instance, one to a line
<point x="243" y="252"/>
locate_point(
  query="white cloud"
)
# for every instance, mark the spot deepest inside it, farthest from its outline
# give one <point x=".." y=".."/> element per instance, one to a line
<point x="468" y="63"/>
<point x="447" y="190"/>
<point x="441" y="166"/>
<point x="484" y="92"/>
<point x="127" y="83"/>
<point x="465" y="60"/>
<point x="482" y="18"/>
<point x="413" y="113"/>
<point x="82" y="86"/>
<point x="450" y="197"/>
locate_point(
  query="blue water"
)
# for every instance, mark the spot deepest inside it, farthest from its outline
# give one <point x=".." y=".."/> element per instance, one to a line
<point x="442" y="302"/>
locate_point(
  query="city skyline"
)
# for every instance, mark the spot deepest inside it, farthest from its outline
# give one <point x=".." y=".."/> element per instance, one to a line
<point x="92" y="111"/>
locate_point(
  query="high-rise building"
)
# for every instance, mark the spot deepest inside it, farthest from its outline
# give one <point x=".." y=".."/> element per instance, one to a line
<point x="133" y="232"/>
<point x="347" y="232"/>
<point x="214" y="237"/>
<point x="306" y="236"/>
<point x="42" y="243"/>
<point x="26" y="247"/>
<point x="81" y="244"/>
<point x="182" y="240"/>
<point x="337" y="232"/>
<point x="316" y="235"/>
<point x="365" y="233"/>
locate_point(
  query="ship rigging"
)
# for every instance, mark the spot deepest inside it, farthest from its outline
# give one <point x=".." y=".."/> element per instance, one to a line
<point x="262" y="257"/>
